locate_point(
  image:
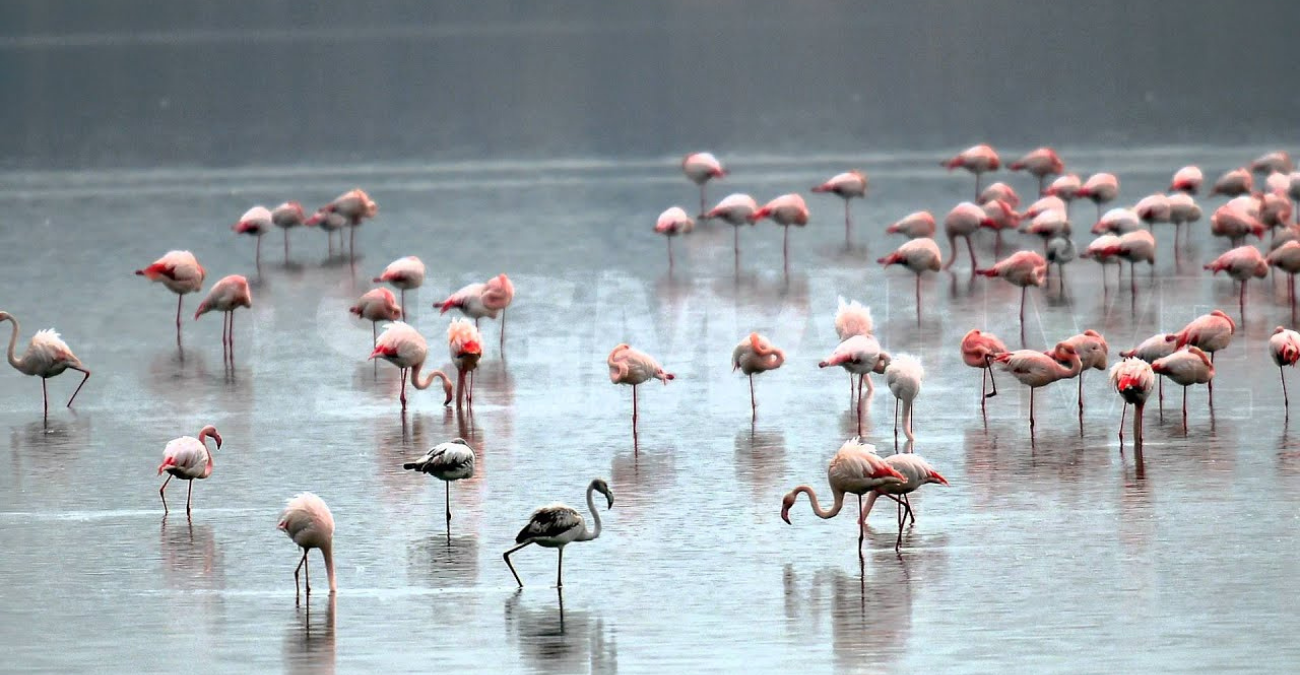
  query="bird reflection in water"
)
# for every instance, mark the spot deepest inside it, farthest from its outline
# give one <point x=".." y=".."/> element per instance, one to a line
<point x="190" y="555"/>
<point x="760" y="459"/>
<point x="441" y="561"/>
<point x="309" y="639"/>
<point x="50" y="448"/>
<point x="555" y="641"/>
<point x="638" y="478"/>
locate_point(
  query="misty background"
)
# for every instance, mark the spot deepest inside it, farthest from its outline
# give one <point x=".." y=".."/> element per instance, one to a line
<point x="252" y="82"/>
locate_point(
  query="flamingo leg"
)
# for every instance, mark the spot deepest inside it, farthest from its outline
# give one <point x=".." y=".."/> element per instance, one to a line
<point x="297" y="590"/>
<point x="1080" y="395"/>
<point x="83" y="383"/>
<point x="402" y="396"/>
<point x="1137" y="425"/>
<point x="1161" y="387"/>
<point x="1031" y="409"/>
<point x="978" y="177"/>
<point x="703" y="202"/>
<point x="189" y="497"/>
<point x="374" y="342"/>
<point x="785" y="249"/>
<point x="753" y="404"/>
<point x="634" y="411"/>
<point x="988" y="366"/>
<point x="1285" y="400"/>
<point x="258" y="258"/>
<point x="403" y="300"/>
<point x="179" y="300"/>
<point x="736" y="245"/>
<point x="1184" y="409"/>
<point x="1122" y="416"/>
<point x="847" y="224"/>
<point x="232" y="338"/>
<point x="162" y="493"/>
<point x="670" y="253"/>
<point x="511" y="565"/>
<point x="862" y="526"/>
<point x="559" y="569"/>
<point x="895" y="419"/>
<point x="1132" y="278"/>
<point x="971" y="249"/>
<point x="502" y="346"/>
<point x="45" y="399"/>
<point x="1242" y="302"/>
<point x="1210" y="384"/>
<point x="1023" y="291"/>
<point x="352" y="241"/>
<point x="952" y="246"/>
<point x="918" y="299"/>
<point x="858" y="406"/>
<point x="286" y="245"/>
<point x="448" y="486"/>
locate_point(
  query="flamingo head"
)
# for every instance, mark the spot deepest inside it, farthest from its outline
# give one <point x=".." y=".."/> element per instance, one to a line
<point x="599" y="485"/>
<point x="210" y="432"/>
<point x="786" y="503"/>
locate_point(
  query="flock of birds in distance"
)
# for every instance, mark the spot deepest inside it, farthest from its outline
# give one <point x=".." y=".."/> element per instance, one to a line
<point x="1185" y="357"/>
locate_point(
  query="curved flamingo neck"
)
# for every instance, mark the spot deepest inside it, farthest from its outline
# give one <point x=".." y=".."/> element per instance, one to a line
<point x="428" y="380"/>
<point x="595" y="516"/>
<point x="13" y="343"/>
<point x="817" y="509"/>
<point x="327" y="552"/>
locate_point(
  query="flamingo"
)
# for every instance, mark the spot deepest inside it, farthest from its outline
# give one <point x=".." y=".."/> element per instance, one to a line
<point x="1133" y="379"/>
<point x="1287" y="258"/>
<point x="1047" y="225"/>
<point x="671" y="223"/>
<point x="1066" y="186"/>
<point x="755" y="354"/>
<point x="447" y="462"/>
<point x="1103" y="249"/>
<point x="1275" y="209"/>
<point x="913" y="225"/>
<point x="404" y="347"/>
<point x="1278" y="182"/>
<point x="256" y="222"/>
<point x="227" y="295"/>
<point x="556" y="526"/>
<point x="1043" y="205"/>
<point x="465" y="347"/>
<point x="188" y="459"/>
<point x="181" y="273"/>
<point x="404" y="274"/>
<point x="735" y="209"/>
<point x="1187" y="180"/>
<point x="329" y="223"/>
<point x="700" y="168"/>
<point x="999" y="192"/>
<point x="1117" y="221"/>
<point x="1241" y="263"/>
<point x="1000" y="216"/>
<point x="1036" y="369"/>
<point x="1151" y="350"/>
<point x="903" y="376"/>
<point x="1134" y="247"/>
<point x="860" y="355"/>
<point x="1187" y="366"/>
<point x="1093" y="352"/>
<point x="308" y="522"/>
<point x="287" y="216"/>
<point x="855" y="469"/>
<point x="785" y="211"/>
<point x="355" y="206"/>
<point x="1235" y="220"/>
<point x="852" y="318"/>
<point x="1182" y="209"/>
<point x="634" y="367"/>
<point x="846" y="186"/>
<point x="978" y="349"/>
<point x="378" y="304"/>
<point x="918" y="256"/>
<point x="1023" y="269"/>
<point x="1153" y="209"/>
<point x="916" y="472"/>
<point x="1278" y="161"/>
<point x="977" y="159"/>
<point x="964" y="220"/>
<point x="1284" y="347"/>
<point x="1233" y="183"/>
<point x="1040" y="163"/>
<point x="1100" y="188"/>
<point x="1061" y="250"/>
<point x="1209" y="333"/>
<point x="47" y="356"/>
<point x="483" y="300"/>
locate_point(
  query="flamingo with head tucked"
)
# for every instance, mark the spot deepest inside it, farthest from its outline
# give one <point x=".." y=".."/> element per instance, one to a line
<point x="735" y="209"/>
<point x="672" y="223"/>
<point x="47" y="356"/>
<point x="181" y="273"/>
<point x="255" y="222"/>
<point x="378" y="304"/>
<point x="188" y="459"/>
<point x="1133" y="379"/>
<point x="1151" y="350"/>
<point x="484" y="300"/>
<point x="1241" y="263"/>
<point x="1186" y="367"/>
<point x="700" y="168"/>
<point x="450" y="461"/>
<point x="634" y="367"/>
<point x="1100" y="188"/>
<point x="1023" y="269"/>
<point x="1040" y="163"/>
<point x="977" y="159"/>
<point x="1187" y="180"/>
<point x="913" y="225"/>
<point x="1234" y="183"/>
<point x="978" y="350"/>
<point x="355" y="206"/>
<point x="999" y="192"/>
<point x="846" y="186"/>
<point x="404" y="274"/>
<point x="287" y="216"/>
<point x="1036" y="369"/>
<point x="756" y="354"/>
<point x="918" y="256"/>
<point x="787" y="210"/>
<point x="404" y="347"/>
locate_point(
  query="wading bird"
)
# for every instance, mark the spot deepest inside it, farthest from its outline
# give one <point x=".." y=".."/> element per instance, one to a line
<point x="855" y="469"/>
<point x="918" y="256"/>
<point x="404" y="347"/>
<point x="634" y="367"/>
<point x="964" y="220"/>
<point x="1284" y="347"/>
<point x="478" y="301"/>
<point x="672" y="223"/>
<point x="1100" y="188"/>
<point x="1036" y="369"/>
<point x="1040" y="163"/>
<point x="978" y="349"/>
<point x="903" y="376"/>
<point x="1093" y="352"/>
<point x="1133" y="379"/>
<point x="914" y="225"/>
<point x="355" y="206"/>
<point x="447" y="462"/>
<point x="735" y="209"/>
<point x="755" y="354"/>
<point x="846" y="186"/>
<point x="1187" y="180"/>
<point x="860" y="355"/>
<point x="786" y="211"/>
<point x="1023" y="269"/>
<point x="978" y="159"/>
<point x="308" y="522"/>
<point x="188" y="459"/>
<point x="1234" y="183"/>
<point x="917" y="472"/>
<point x="852" y="318"/>
<point x="700" y="168"/>
<point x="557" y="525"/>
<point x="181" y="273"/>
<point x="47" y="356"/>
<point x="1151" y="350"/>
<point x="1209" y="333"/>
<point x="378" y="304"/>
<point x="1241" y="263"/>
<point x="227" y="295"/>
<point x="403" y="274"/>
<point x="255" y="222"/>
<point x="465" y="347"/>
<point x="287" y="216"/>
<point x="1187" y="366"/>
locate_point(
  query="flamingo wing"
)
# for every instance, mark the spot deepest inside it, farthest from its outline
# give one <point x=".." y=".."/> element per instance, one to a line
<point x="549" y="522"/>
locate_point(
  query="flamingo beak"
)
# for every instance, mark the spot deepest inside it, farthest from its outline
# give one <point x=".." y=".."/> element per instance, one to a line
<point x="935" y="475"/>
<point x="785" y="514"/>
<point x="216" y="436"/>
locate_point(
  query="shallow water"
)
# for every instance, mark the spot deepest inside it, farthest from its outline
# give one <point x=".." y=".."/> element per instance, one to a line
<point x="1059" y="554"/>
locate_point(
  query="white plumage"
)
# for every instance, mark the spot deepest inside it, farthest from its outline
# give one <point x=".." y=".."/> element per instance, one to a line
<point x="735" y="208"/>
<point x="404" y="273"/>
<point x="903" y="376"/>
<point x="307" y="521"/>
<point x="853" y="318"/>
<point x="450" y="461"/>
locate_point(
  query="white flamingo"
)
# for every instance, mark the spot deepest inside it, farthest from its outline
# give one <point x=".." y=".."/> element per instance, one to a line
<point x="47" y="356"/>
<point x="855" y="469"/>
<point x="188" y="459"/>
<point x="484" y="300"/>
<point x="903" y="376"/>
<point x="916" y="472"/>
<point x="308" y="522"/>
<point x="450" y="461"/>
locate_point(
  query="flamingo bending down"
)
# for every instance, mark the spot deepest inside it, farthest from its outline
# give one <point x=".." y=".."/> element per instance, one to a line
<point x="978" y="349"/>
<point x="1241" y="263"/>
<point x="227" y="295"/>
<point x="404" y="274"/>
<point x="181" y="273"/>
<point x="378" y="304"/>
<point x="188" y="459"/>
<point x="1000" y="215"/>
<point x="700" y="168"/>
<point x="404" y="347"/>
<point x="918" y="256"/>
<point x="846" y="186"/>
<point x="855" y="469"/>
<point x="735" y="209"/>
<point x="634" y="367"/>
<point x="1093" y="352"/>
<point x="287" y="216"/>
<point x="1100" y="188"/>
<point x="1151" y="350"/>
<point x="447" y="462"/>
<point x="1236" y="219"/>
<point x="913" y="225"/>
<point x="557" y="526"/>
<point x="1284" y="347"/>
<point x="465" y="347"/>
<point x="47" y="356"/>
<point x="1287" y="258"/>
<point x="1277" y="161"/>
<point x="1036" y="369"/>
<point x="308" y="522"/>
<point x="1234" y="183"/>
<point x="964" y="220"/>
<point x="916" y="472"/>
<point x="1133" y="379"/>
<point x="755" y="354"/>
<point x="860" y="355"/>
<point x="1187" y="180"/>
<point x="1187" y="366"/>
<point x="903" y="376"/>
<point x="355" y="206"/>
<point x="672" y="223"/>
<point x="1023" y="269"/>
<point x="257" y="222"/>
<point x="1040" y="163"/>
<point x="977" y="159"/>
<point x="999" y="192"/>
<point x="483" y="300"/>
<point x="786" y="210"/>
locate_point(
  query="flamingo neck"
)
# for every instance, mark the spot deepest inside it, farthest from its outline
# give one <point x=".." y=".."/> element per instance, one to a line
<point x="428" y="380"/>
<point x="13" y="343"/>
<point x="817" y="509"/>
<point x="327" y="552"/>
<point x="595" y="516"/>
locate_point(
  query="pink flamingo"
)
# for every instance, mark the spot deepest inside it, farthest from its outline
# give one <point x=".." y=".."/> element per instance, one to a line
<point x="1134" y="247"/>
<point x="918" y="256"/>
<point x="1236" y="219"/>
<point x="999" y="192"/>
<point x="1241" y="263"/>
<point x="861" y="355"/>
<point x="1234" y="183"/>
<point x="755" y="354"/>
<point x="404" y="347"/>
<point x="1100" y="188"/>
<point x="852" y="318"/>
<point x="47" y="356"/>
<point x="999" y="216"/>
<point x="1093" y="352"/>
<point x="378" y="304"/>
<point x="1275" y="209"/>
<point x="634" y="367"/>
<point x="700" y="168"/>
<point x="465" y="347"/>
<point x="1043" y="205"/>
<point x="913" y="225"/>
<point x="1023" y="269"/>
<point x="181" y="273"/>
<point x="1187" y="180"/>
<point x="1284" y="347"/>
<point x="227" y="295"/>
<point x="785" y="211"/>
<point x="978" y="349"/>
<point x="1036" y="369"/>
<point x="1133" y="379"/>
<point x="904" y="376"/>
<point x="855" y="469"/>
<point x="1209" y="333"/>
<point x="916" y="472"/>
<point x="287" y="216"/>
<point x="1047" y="225"/>
<point x="735" y="209"/>
<point x="1277" y="161"/>
<point x="1187" y="366"/>
<point x="1103" y="249"/>
<point x="1287" y="258"/>
<point x="977" y="159"/>
<point x="672" y="223"/>
<point x="964" y="220"/>
<point x="846" y="186"/>
<point x="329" y="223"/>
<point x="355" y="206"/>
<point x="1117" y="221"/>
<point x="308" y="522"/>
<point x="1040" y="163"/>
<point x="188" y="459"/>
<point x="403" y="274"/>
<point x="1151" y="350"/>
<point x="256" y="222"/>
<point x="478" y="301"/>
<point x="1182" y="209"/>
<point x="1066" y="186"/>
<point x="1153" y="209"/>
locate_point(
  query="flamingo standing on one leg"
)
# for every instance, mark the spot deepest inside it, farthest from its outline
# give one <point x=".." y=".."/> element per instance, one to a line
<point x="1135" y="247"/>
<point x="227" y="295"/>
<point x="287" y="216"/>
<point x="557" y="526"/>
<point x="47" y="356"/>
<point x="465" y="347"/>
<point x="378" y="304"/>
<point x="977" y="159"/>
<point x="787" y="210"/>
<point x="999" y="192"/>
<point x="181" y="273"/>
<point x="1284" y="347"/>
<point x="756" y="354"/>
<point x="188" y="459"/>
<point x="450" y="461"/>
<point x="918" y="256"/>
<point x="700" y="168"/>
<point x="1093" y="352"/>
<point x="1133" y="379"/>
<point x="1100" y="188"/>
<point x="1187" y="180"/>
<point x="672" y="223"/>
<point x="404" y="347"/>
<point x="1187" y="366"/>
<point x="308" y="522"/>
<point x="903" y="376"/>
<point x="1066" y="187"/>
<point x="1241" y="263"/>
<point x="404" y="274"/>
<point x="735" y="209"/>
<point x="999" y="216"/>
<point x="1035" y="369"/>
<point x="855" y="469"/>
<point x="634" y="367"/>
<point x="978" y="349"/>
<point x="1100" y="250"/>
<point x="329" y="223"/>
<point x="355" y="206"/>
<point x="1237" y="219"/>
<point x="964" y="220"/>
<point x="861" y="355"/>
<point x="1208" y="332"/>
<point x="257" y="222"/>
<point x="1119" y="222"/>
<point x="1287" y="258"/>
<point x="1182" y="210"/>
<point x="477" y="301"/>
<point x="1278" y="161"/>
<point x="1023" y="269"/>
<point x="1151" y="350"/>
<point x="1040" y="163"/>
<point x="914" y="225"/>
<point x="917" y="472"/>
<point x="846" y="186"/>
